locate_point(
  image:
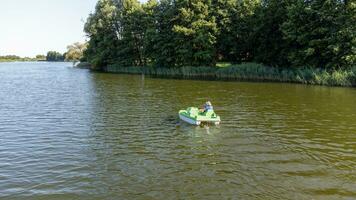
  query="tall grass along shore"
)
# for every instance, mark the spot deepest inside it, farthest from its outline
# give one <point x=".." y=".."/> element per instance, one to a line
<point x="249" y="72"/>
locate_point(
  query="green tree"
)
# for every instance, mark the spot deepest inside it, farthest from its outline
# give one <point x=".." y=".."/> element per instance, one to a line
<point x="75" y="51"/>
<point x="196" y="33"/>
<point x="130" y="51"/>
<point x="104" y="31"/>
<point x="240" y="43"/>
<point x="173" y="33"/>
<point x="269" y="45"/>
<point x="322" y="33"/>
<point x="149" y="24"/>
<point x="161" y="36"/>
<point x="223" y="11"/>
<point x="54" y="56"/>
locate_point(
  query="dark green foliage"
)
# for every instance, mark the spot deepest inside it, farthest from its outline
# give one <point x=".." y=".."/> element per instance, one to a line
<point x="103" y="30"/>
<point x="54" y="56"/>
<point x="239" y="41"/>
<point x="322" y="33"/>
<point x="195" y="30"/>
<point x="223" y="11"/>
<point x="131" y="35"/>
<point x="163" y="38"/>
<point x="269" y="45"/>
<point x="176" y="33"/>
<point x="149" y="26"/>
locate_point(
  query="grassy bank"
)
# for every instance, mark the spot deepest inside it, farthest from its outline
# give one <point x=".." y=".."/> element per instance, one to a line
<point x="248" y="72"/>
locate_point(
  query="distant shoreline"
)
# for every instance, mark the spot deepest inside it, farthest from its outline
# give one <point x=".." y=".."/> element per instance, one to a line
<point x="10" y="61"/>
<point x="4" y="61"/>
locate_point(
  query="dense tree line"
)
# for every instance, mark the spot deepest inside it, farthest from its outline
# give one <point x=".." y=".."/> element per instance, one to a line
<point x="74" y="53"/>
<point x="54" y="56"/>
<point x="10" y="58"/>
<point x="170" y="33"/>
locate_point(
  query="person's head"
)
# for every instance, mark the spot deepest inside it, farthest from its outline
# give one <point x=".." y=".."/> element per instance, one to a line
<point x="208" y="103"/>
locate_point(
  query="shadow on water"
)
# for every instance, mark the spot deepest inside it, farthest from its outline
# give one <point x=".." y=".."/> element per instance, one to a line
<point x="197" y="131"/>
<point x="188" y="129"/>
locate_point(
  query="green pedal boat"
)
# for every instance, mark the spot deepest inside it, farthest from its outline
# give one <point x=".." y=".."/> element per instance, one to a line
<point x="193" y="116"/>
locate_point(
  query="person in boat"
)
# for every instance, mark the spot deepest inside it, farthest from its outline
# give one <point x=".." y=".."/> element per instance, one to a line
<point x="206" y="107"/>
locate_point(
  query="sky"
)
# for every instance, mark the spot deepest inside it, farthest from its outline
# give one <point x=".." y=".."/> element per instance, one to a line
<point x="32" y="27"/>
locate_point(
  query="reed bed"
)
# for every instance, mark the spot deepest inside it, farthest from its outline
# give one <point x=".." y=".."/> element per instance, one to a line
<point x="248" y="72"/>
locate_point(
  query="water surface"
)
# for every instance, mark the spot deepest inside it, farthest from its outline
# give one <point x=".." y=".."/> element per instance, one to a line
<point x="68" y="133"/>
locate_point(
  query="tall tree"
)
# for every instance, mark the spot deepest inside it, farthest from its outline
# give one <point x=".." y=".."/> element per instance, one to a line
<point x="163" y="38"/>
<point x="130" y="51"/>
<point x="103" y="32"/>
<point x="223" y="11"/>
<point x="242" y="14"/>
<point x="149" y="31"/>
<point x="196" y="33"/>
<point x="321" y="33"/>
<point x="270" y="47"/>
<point x="75" y="51"/>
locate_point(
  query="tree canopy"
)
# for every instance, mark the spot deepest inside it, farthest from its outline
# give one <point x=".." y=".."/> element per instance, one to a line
<point x="54" y="56"/>
<point x="75" y="51"/>
<point x="173" y="33"/>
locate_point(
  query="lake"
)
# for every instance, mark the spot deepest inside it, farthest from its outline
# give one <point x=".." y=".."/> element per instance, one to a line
<point x="68" y="133"/>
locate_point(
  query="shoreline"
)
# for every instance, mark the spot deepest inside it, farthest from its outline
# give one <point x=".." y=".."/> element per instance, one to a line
<point x="11" y="61"/>
<point x="251" y="72"/>
<point x="82" y="65"/>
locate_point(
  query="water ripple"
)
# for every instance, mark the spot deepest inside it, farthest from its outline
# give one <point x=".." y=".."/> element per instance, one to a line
<point x="71" y="134"/>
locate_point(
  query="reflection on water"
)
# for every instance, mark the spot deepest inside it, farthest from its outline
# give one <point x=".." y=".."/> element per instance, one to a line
<point x="68" y="133"/>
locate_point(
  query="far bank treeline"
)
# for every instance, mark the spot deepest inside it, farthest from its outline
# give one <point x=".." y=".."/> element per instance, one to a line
<point x="74" y="53"/>
<point x="175" y="33"/>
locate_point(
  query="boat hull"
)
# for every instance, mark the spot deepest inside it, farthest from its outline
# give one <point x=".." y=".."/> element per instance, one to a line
<point x="189" y="120"/>
<point x="194" y="117"/>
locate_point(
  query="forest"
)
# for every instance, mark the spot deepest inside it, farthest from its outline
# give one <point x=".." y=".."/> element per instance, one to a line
<point x="176" y="33"/>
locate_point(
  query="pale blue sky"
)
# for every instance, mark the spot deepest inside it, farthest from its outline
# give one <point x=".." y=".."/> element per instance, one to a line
<point x="31" y="27"/>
